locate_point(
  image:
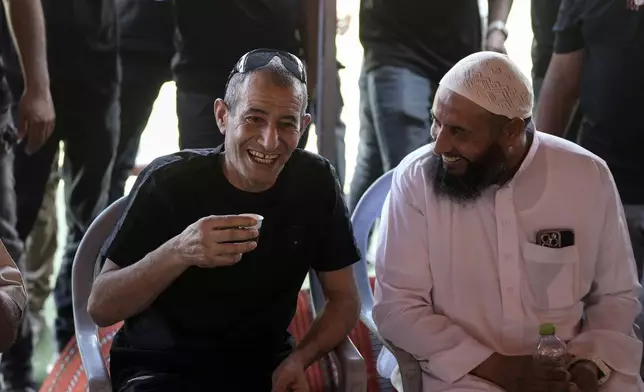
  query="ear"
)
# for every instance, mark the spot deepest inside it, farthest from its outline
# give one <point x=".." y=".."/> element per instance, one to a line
<point x="304" y="122"/>
<point x="221" y="115"/>
<point x="513" y="131"/>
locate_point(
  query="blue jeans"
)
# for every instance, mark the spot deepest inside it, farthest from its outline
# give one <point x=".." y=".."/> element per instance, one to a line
<point x="395" y="106"/>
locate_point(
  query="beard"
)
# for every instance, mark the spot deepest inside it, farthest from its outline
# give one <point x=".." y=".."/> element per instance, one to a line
<point x="480" y="174"/>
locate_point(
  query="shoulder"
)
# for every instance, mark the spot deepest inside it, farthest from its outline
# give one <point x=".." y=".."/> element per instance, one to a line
<point x="169" y="169"/>
<point x="564" y="151"/>
<point x="303" y="158"/>
<point x="413" y="169"/>
<point x="570" y="159"/>
<point x="307" y="168"/>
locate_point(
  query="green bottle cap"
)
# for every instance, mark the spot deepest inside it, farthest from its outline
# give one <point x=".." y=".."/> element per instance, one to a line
<point x="547" y="329"/>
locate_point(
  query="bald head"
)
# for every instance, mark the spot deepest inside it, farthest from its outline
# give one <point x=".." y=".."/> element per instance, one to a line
<point x="493" y="82"/>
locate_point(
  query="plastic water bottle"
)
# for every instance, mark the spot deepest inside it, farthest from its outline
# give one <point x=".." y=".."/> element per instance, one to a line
<point x="550" y="351"/>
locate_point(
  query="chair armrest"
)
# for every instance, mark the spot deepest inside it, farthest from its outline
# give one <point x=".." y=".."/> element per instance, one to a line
<point x="409" y="367"/>
<point x="87" y="337"/>
<point x="98" y="379"/>
<point x="352" y="370"/>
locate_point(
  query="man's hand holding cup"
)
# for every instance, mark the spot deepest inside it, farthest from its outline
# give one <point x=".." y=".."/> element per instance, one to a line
<point x="218" y="241"/>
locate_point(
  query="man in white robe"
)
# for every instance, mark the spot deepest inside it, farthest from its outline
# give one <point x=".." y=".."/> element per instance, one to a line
<point x="462" y="280"/>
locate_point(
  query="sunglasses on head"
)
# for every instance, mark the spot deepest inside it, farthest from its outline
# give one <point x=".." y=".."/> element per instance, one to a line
<point x="259" y="58"/>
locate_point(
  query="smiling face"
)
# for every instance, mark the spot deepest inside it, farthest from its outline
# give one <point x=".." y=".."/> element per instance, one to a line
<point x="471" y="150"/>
<point x="261" y="130"/>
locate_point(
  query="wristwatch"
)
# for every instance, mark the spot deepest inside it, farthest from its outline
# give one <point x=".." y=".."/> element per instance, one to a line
<point x="604" y="370"/>
<point x="497" y="25"/>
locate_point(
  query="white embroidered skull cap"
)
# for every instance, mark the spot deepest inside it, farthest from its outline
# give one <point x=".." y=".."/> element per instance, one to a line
<point x="494" y="82"/>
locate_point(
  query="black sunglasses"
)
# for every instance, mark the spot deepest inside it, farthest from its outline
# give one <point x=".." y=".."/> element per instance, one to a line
<point x="259" y="58"/>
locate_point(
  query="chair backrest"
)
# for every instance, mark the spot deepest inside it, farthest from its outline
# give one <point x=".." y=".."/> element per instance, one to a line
<point x="367" y="211"/>
<point x="83" y="272"/>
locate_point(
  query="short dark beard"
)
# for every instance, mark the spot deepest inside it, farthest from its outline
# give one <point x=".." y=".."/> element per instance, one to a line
<point x="491" y="168"/>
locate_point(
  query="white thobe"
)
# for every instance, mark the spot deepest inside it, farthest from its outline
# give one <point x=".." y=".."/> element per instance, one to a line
<point x="456" y="283"/>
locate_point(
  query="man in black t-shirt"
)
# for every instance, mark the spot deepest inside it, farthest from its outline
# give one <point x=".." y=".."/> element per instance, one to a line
<point x="599" y="58"/>
<point x="206" y="302"/>
<point x="408" y="46"/>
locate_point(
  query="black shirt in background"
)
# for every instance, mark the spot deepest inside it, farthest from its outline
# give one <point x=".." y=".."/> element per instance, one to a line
<point x="82" y="44"/>
<point x="425" y="36"/>
<point x="217" y="314"/>
<point x="82" y="41"/>
<point x="146" y="25"/>
<point x="612" y="84"/>
<point x="213" y="35"/>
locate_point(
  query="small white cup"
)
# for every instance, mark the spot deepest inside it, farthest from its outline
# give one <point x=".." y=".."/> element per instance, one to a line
<point x="259" y="218"/>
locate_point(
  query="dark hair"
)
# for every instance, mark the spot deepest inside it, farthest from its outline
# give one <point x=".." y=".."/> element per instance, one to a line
<point x="280" y="76"/>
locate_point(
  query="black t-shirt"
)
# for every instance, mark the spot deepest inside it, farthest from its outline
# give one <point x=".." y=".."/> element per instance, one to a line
<point x="425" y="36"/>
<point x="82" y="41"/>
<point x="612" y="84"/>
<point x="215" y="313"/>
<point x="146" y="25"/>
<point x="213" y="35"/>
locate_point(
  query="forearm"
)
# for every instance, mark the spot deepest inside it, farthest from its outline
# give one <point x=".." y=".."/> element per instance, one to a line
<point x="443" y="348"/>
<point x="499" y="10"/>
<point x="556" y="106"/>
<point x="10" y="317"/>
<point x="27" y="25"/>
<point x="328" y="330"/>
<point x="559" y="93"/>
<point x="123" y="293"/>
<point x="607" y="332"/>
<point x="512" y="368"/>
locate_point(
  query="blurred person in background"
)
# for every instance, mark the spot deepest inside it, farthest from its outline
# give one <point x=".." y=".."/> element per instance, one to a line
<point x="408" y="46"/>
<point x="83" y="65"/>
<point x="40" y="251"/>
<point x="598" y="61"/>
<point x="146" y="29"/>
<point x="21" y="23"/>
<point x="544" y="15"/>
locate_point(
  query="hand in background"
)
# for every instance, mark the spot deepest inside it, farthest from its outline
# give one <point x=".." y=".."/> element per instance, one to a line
<point x="36" y="118"/>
